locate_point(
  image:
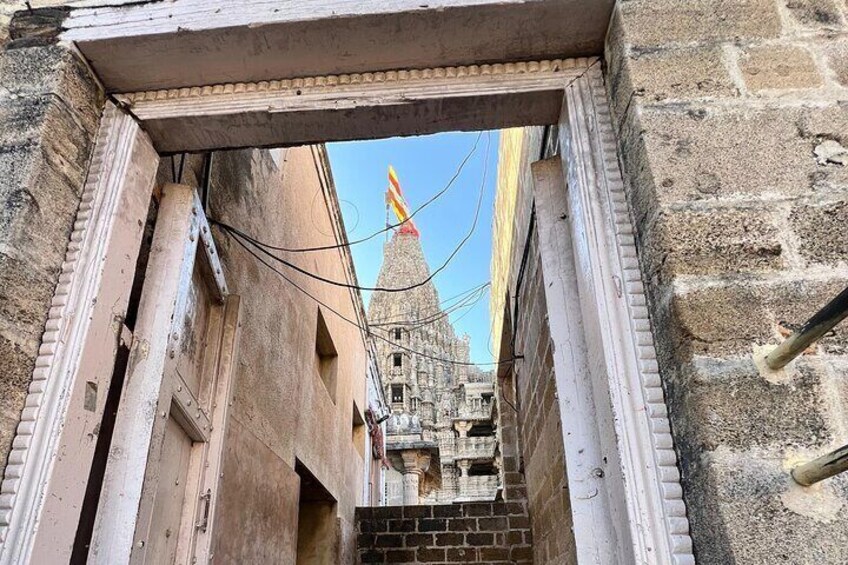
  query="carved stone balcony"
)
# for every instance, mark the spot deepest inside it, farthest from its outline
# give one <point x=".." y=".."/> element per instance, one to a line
<point x="475" y="447"/>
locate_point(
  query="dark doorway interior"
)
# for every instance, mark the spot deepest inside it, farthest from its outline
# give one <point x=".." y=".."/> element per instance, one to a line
<point x="317" y="524"/>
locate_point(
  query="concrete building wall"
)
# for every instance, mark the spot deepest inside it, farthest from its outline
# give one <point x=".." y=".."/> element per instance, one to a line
<point x="723" y="111"/>
<point x="283" y="415"/>
<point x="50" y="109"/>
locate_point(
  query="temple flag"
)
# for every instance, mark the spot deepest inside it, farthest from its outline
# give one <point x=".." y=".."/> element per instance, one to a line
<point x="396" y="201"/>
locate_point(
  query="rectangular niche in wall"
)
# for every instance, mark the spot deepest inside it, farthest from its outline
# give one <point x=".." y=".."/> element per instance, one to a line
<point x="358" y="430"/>
<point x="326" y="356"/>
<point x="317" y="521"/>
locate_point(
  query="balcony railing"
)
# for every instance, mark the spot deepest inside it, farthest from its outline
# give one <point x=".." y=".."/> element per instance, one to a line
<point x="467" y="448"/>
<point x="475" y="447"/>
<point x="475" y="410"/>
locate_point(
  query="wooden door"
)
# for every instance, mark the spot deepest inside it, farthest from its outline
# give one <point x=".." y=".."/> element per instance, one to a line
<point x="161" y="481"/>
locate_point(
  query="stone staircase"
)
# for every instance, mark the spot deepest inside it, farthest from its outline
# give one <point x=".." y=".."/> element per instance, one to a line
<point x="474" y="532"/>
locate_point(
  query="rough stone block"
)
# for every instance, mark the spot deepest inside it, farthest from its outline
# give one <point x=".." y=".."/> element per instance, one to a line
<point x="710" y="241"/>
<point x="52" y="70"/>
<point x="498" y="524"/>
<point x="836" y="58"/>
<point x="431" y="525"/>
<point x="821" y="230"/>
<point x="744" y="508"/>
<point x="653" y="23"/>
<point x="682" y="155"/>
<point x="479" y="539"/>
<point x="478" y="509"/>
<point x="488" y="554"/>
<point x="389" y="540"/>
<point x="782" y="67"/>
<point x="729" y="404"/>
<point x="16" y="367"/>
<point x="449" y="539"/>
<point x="448" y="510"/>
<point x="373" y="525"/>
<point x="462" y="555"/>
<point x="817" y="14"/>
<point x="462" y="525"/>
<point x="670" y="75"/>
<point x="417" y="511"/>
<point x="419" y="540"/>
<point x="430" y="555"/>
<point x="372" y="556"/>
<point x="520" y="553"/>
<point x="400" y="556"/>
<point x="406" y="525"/>
<point x="728" y="319"/>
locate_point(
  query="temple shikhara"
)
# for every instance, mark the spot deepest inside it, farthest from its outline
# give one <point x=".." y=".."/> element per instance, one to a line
<point x="441" y="436"/>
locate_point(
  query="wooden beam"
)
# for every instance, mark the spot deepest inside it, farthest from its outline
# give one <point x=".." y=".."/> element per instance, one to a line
<point x="151" y="45"/>
<point x="355" y="106"/>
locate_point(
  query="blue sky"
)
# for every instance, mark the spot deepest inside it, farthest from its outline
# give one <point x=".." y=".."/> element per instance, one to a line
<point x="424" y="166"/>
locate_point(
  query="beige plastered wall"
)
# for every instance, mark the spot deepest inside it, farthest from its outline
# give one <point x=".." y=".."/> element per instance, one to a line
<point x="282" y="411"/>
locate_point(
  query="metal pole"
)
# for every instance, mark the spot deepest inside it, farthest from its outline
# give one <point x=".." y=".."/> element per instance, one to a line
<point x="822" y="468"/>
<point x="822" y="322"/>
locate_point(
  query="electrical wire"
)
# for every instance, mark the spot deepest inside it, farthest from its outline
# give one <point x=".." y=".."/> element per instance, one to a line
<point x="470" y="303"/>
<point x="263" y="247"/>
<point x="441" y="307"/>
<point x="356" y="324"/>
<point x="438" y="312"/>
<point x="432" y="199"/>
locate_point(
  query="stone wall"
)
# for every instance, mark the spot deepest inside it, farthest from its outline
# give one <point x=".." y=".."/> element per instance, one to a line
<point x="724" y="110"/>
<point x="50" y="110"/>
<point x="479" y="532"/>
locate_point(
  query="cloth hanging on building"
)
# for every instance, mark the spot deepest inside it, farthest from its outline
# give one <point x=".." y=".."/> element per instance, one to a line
<point x="378" y="450"/>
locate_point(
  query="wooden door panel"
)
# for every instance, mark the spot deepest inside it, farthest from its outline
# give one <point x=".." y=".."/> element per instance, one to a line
<point x="162" y="478"/>
<point x="170" y="495"/>
<point x="193" y="335"/>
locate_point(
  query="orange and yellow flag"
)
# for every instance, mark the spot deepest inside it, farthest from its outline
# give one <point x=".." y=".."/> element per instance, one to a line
<point x="396" y="201"/>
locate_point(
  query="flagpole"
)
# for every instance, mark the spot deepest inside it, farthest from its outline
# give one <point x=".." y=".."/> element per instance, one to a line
<point x="387" y="215"/>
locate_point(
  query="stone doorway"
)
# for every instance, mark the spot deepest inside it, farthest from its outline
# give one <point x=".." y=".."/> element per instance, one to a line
<point x="207" y="117"/>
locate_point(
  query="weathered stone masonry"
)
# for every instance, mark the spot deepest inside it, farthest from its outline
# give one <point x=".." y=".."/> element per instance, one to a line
<point x="720" y="107"/>
<point x="481" y="532"/>
<point x="50" y="109"/>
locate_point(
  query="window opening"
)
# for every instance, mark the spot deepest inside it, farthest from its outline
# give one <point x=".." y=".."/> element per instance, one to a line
<point x="397" y="393"/>
<point x="326" y="356"/>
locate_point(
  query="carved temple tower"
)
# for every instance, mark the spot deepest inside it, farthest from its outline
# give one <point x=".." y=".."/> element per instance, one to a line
<point x="441" y="436"/>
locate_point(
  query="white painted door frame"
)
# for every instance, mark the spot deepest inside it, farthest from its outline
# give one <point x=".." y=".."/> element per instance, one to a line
<point x="645" y="510"/>
<point x="622" y="467"/>
<point x="45" y="478"/>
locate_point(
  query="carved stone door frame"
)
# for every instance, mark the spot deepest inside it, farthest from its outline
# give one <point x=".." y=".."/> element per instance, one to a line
<point x="644" y="512"/>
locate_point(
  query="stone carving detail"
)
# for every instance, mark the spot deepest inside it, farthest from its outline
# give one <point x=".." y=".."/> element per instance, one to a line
<point x="382" y="77"/>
